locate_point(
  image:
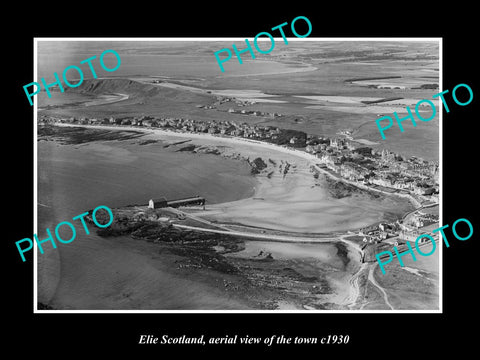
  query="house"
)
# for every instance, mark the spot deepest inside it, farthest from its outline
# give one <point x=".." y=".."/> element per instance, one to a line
<point x="157" y="203"/>
<point x="385" y="227"/>
<point x="338" y="143"/>
<point x="365" y="150"/>
<point x="238" y="132"/>
<point x="423" y="189"/>
<point x="202" y="128"/>
<point x="230" y="130"/>
<point x="353" y="171"/>
<point x="332" y="162"/>
<point x="148" y="123"/>
<point x="376" y="180"/>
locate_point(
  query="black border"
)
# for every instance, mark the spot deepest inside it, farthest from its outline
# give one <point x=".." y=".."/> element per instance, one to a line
<point x="370" y="334"/>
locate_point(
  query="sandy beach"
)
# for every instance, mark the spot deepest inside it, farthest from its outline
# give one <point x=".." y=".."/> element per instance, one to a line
<point x="294" y="201"/>
<point x="107" y="99"/>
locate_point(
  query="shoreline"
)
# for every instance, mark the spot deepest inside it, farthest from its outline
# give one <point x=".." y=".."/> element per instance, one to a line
<point x="286" y="200"/>
<point x="242" y="141"/>
<point x="352" y="251"/>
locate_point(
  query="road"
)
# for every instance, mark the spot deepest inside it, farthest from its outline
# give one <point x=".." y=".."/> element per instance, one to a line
<point x="196" y="218"/>
<point x="225" y="230"/>
<point x="352" y="297"/>
<point x="354" y="293"/>
<point x="350" y="300"/>
<point x="371" y="278"/>
<point x="420" y="208"/>
<point x="279" y="238"/>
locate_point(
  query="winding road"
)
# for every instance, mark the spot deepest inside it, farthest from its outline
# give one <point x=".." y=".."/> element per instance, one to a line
<point x="279" y="238"/>
<point x="350" y="300"/>
<point x="352" y="297"/>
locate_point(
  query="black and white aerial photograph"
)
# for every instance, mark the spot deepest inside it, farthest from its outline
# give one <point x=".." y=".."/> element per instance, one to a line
<point x="217" y="180"/>
<point x="264" y="187"/>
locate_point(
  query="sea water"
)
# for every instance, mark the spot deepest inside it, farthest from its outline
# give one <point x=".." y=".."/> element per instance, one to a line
<point x="119" y="273"/>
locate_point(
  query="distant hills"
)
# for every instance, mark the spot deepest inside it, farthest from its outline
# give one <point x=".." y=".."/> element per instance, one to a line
<point x="140" y="92"/>
<point x="143" y="99"/>
<point x="116" y="86"/>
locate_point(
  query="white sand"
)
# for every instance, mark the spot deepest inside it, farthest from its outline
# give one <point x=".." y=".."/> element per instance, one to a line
<point x="107" y="99"/>
<point x="339" y="99"/>
<point x="290" y="203"/>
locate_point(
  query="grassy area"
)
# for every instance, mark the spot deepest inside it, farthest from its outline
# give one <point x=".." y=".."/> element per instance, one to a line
<point x="374" y="298"/>
<point x="407" y="289"/>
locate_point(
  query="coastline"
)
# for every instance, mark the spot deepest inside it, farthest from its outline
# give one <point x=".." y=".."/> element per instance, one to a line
<point x="279" y="231"/>
<point x="242" y="141"/>
<point x="337" y="292"/>
<point x="292" y="202"/>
